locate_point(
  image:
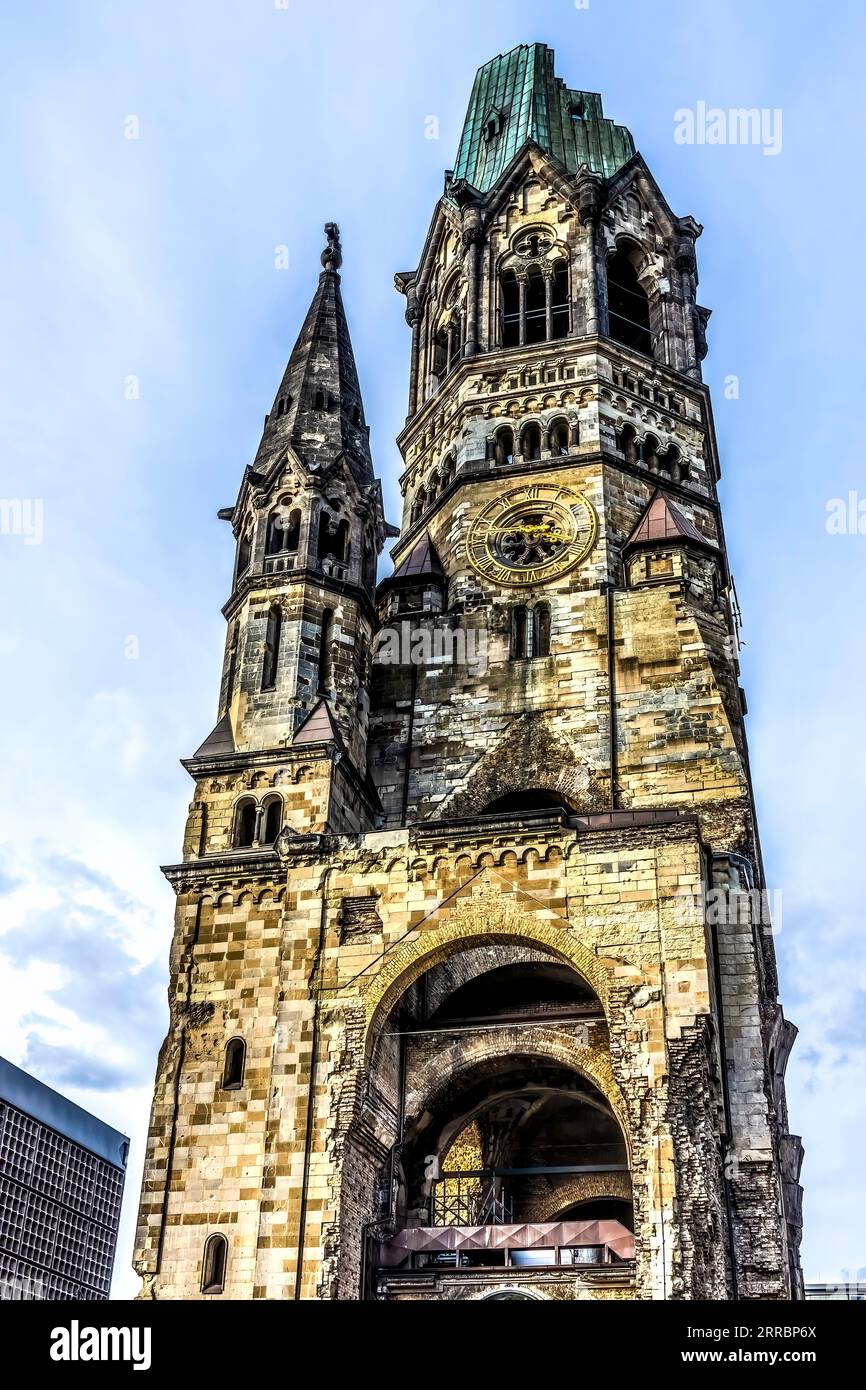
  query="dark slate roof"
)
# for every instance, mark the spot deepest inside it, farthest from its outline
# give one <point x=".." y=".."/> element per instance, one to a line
<point x="663" y="521"/>
<point x="220" y="740"/>
<point x="527" y="101"/>
<point x="422" y="559"/>
<point x="322" y="361"/>
<point x="318" y="727"/>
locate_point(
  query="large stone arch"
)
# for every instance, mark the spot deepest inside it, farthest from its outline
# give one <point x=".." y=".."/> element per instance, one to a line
<point x="478" y="920"/>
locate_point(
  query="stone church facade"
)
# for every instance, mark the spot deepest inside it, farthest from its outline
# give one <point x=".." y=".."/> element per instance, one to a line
<point x="473" y="991"/>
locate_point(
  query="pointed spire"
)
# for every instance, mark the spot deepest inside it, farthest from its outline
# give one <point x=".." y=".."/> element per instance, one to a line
<point x="318" y="408"/>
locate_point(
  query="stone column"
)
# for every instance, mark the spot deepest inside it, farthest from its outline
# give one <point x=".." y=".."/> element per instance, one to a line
<point x="472" y="237"/>
<point x="589" y="207"/>
<point x="413" y="318"/>
<point x="521" y="291"/>
<point x="548" y="303"/>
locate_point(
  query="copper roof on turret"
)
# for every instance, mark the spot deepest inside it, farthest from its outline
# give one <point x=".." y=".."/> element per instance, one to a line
<point x="517" y="97"/>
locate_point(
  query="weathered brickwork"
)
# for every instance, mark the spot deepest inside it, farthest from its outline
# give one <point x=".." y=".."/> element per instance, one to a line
<point x="454" y="907"/>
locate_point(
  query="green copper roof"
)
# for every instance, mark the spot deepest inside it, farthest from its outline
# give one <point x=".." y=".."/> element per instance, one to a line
<point x="517" y="97"/>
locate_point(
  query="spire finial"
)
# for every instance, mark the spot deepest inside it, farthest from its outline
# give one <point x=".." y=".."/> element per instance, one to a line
<point x="332" y="256"/>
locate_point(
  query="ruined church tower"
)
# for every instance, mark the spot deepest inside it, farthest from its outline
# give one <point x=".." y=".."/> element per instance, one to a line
<point x="473" y="992"/>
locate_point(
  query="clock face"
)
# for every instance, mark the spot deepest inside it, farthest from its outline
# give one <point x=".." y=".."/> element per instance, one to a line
<point x="531" y="535"/>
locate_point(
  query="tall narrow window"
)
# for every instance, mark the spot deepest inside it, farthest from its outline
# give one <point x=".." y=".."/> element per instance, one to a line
<point x="627" y="443"/>
<point x="454" y="341"/>
<point x="510" y="310"/>
<point x="530" y="442"/>
<point x="233" y="1065"/>
<point x="273" y="820"/>
<point x="628" y="306"/>
<point x="333" y="537"/>
<point x="420" y="504"/>
<point x="559" y="302"/>
<point x="245" y="551"/>
<point x="558" y="438"/>
<point x="536" y="307"/>
<point x="440" y="355"/>
<point x="319" y="401"/>
<point x="519" y="633"/>
<point x="503" y="449"/>
<point x="541" y="630"/>
<point x="213" y="1268"/>
<point x="233" y="665"/>
<point x="284" y="530"/>
<point x="245" y="823"/>
<point x="650" y="453"/>
<point x="326" y="639"/>
<point x="272" y="648"/>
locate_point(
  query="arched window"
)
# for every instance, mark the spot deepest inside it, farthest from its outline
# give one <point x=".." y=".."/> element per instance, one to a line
<point x="627" y="444"/>
<point x="245" y="823"/>
<point x="233" y="1064"/>
<point x="510" y="309"/>
<point x="454" y="341"/>
<point x="540" y="630"/>
<point x="213" y="1267"/>
<point x="326" y="638"/>
<point x="272" y="648"/>
<point x="558" y="437"/>
<point x="536" y="307"/>
<point x="559" y="315"/>
<point x="449" y="470"/>
<point x="520" y="630"/>
<point x="284" y="530"/>
<point x="628" y="305"/>
<point x="319" y="401"/>
<point x="440" y="355"/>
<point x="669" y="463"/>
<point x="245" y="551"/>
<point x="433" y="488"/>
<point x="503" y="448"/>
<point x="273" y="819"/>
<point x="650" y="453"/>
<point x="333" y="537"/>
<point x="530" y="442"/>
<point x="420" y="504"/>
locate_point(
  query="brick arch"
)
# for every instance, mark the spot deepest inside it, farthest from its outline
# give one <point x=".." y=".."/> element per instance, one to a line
<point x="478" y="960"/>
<point x="578" y="1187"/>
<point x="547" y="1044"/>
<point x="531" y="754"/>
<point x="481" y="924"/>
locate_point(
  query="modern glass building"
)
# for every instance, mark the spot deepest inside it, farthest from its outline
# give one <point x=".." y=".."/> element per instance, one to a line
<point x="61" y="1185"/>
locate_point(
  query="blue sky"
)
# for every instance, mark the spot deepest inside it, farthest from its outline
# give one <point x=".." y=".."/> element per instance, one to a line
<point x="154" y="259"/>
